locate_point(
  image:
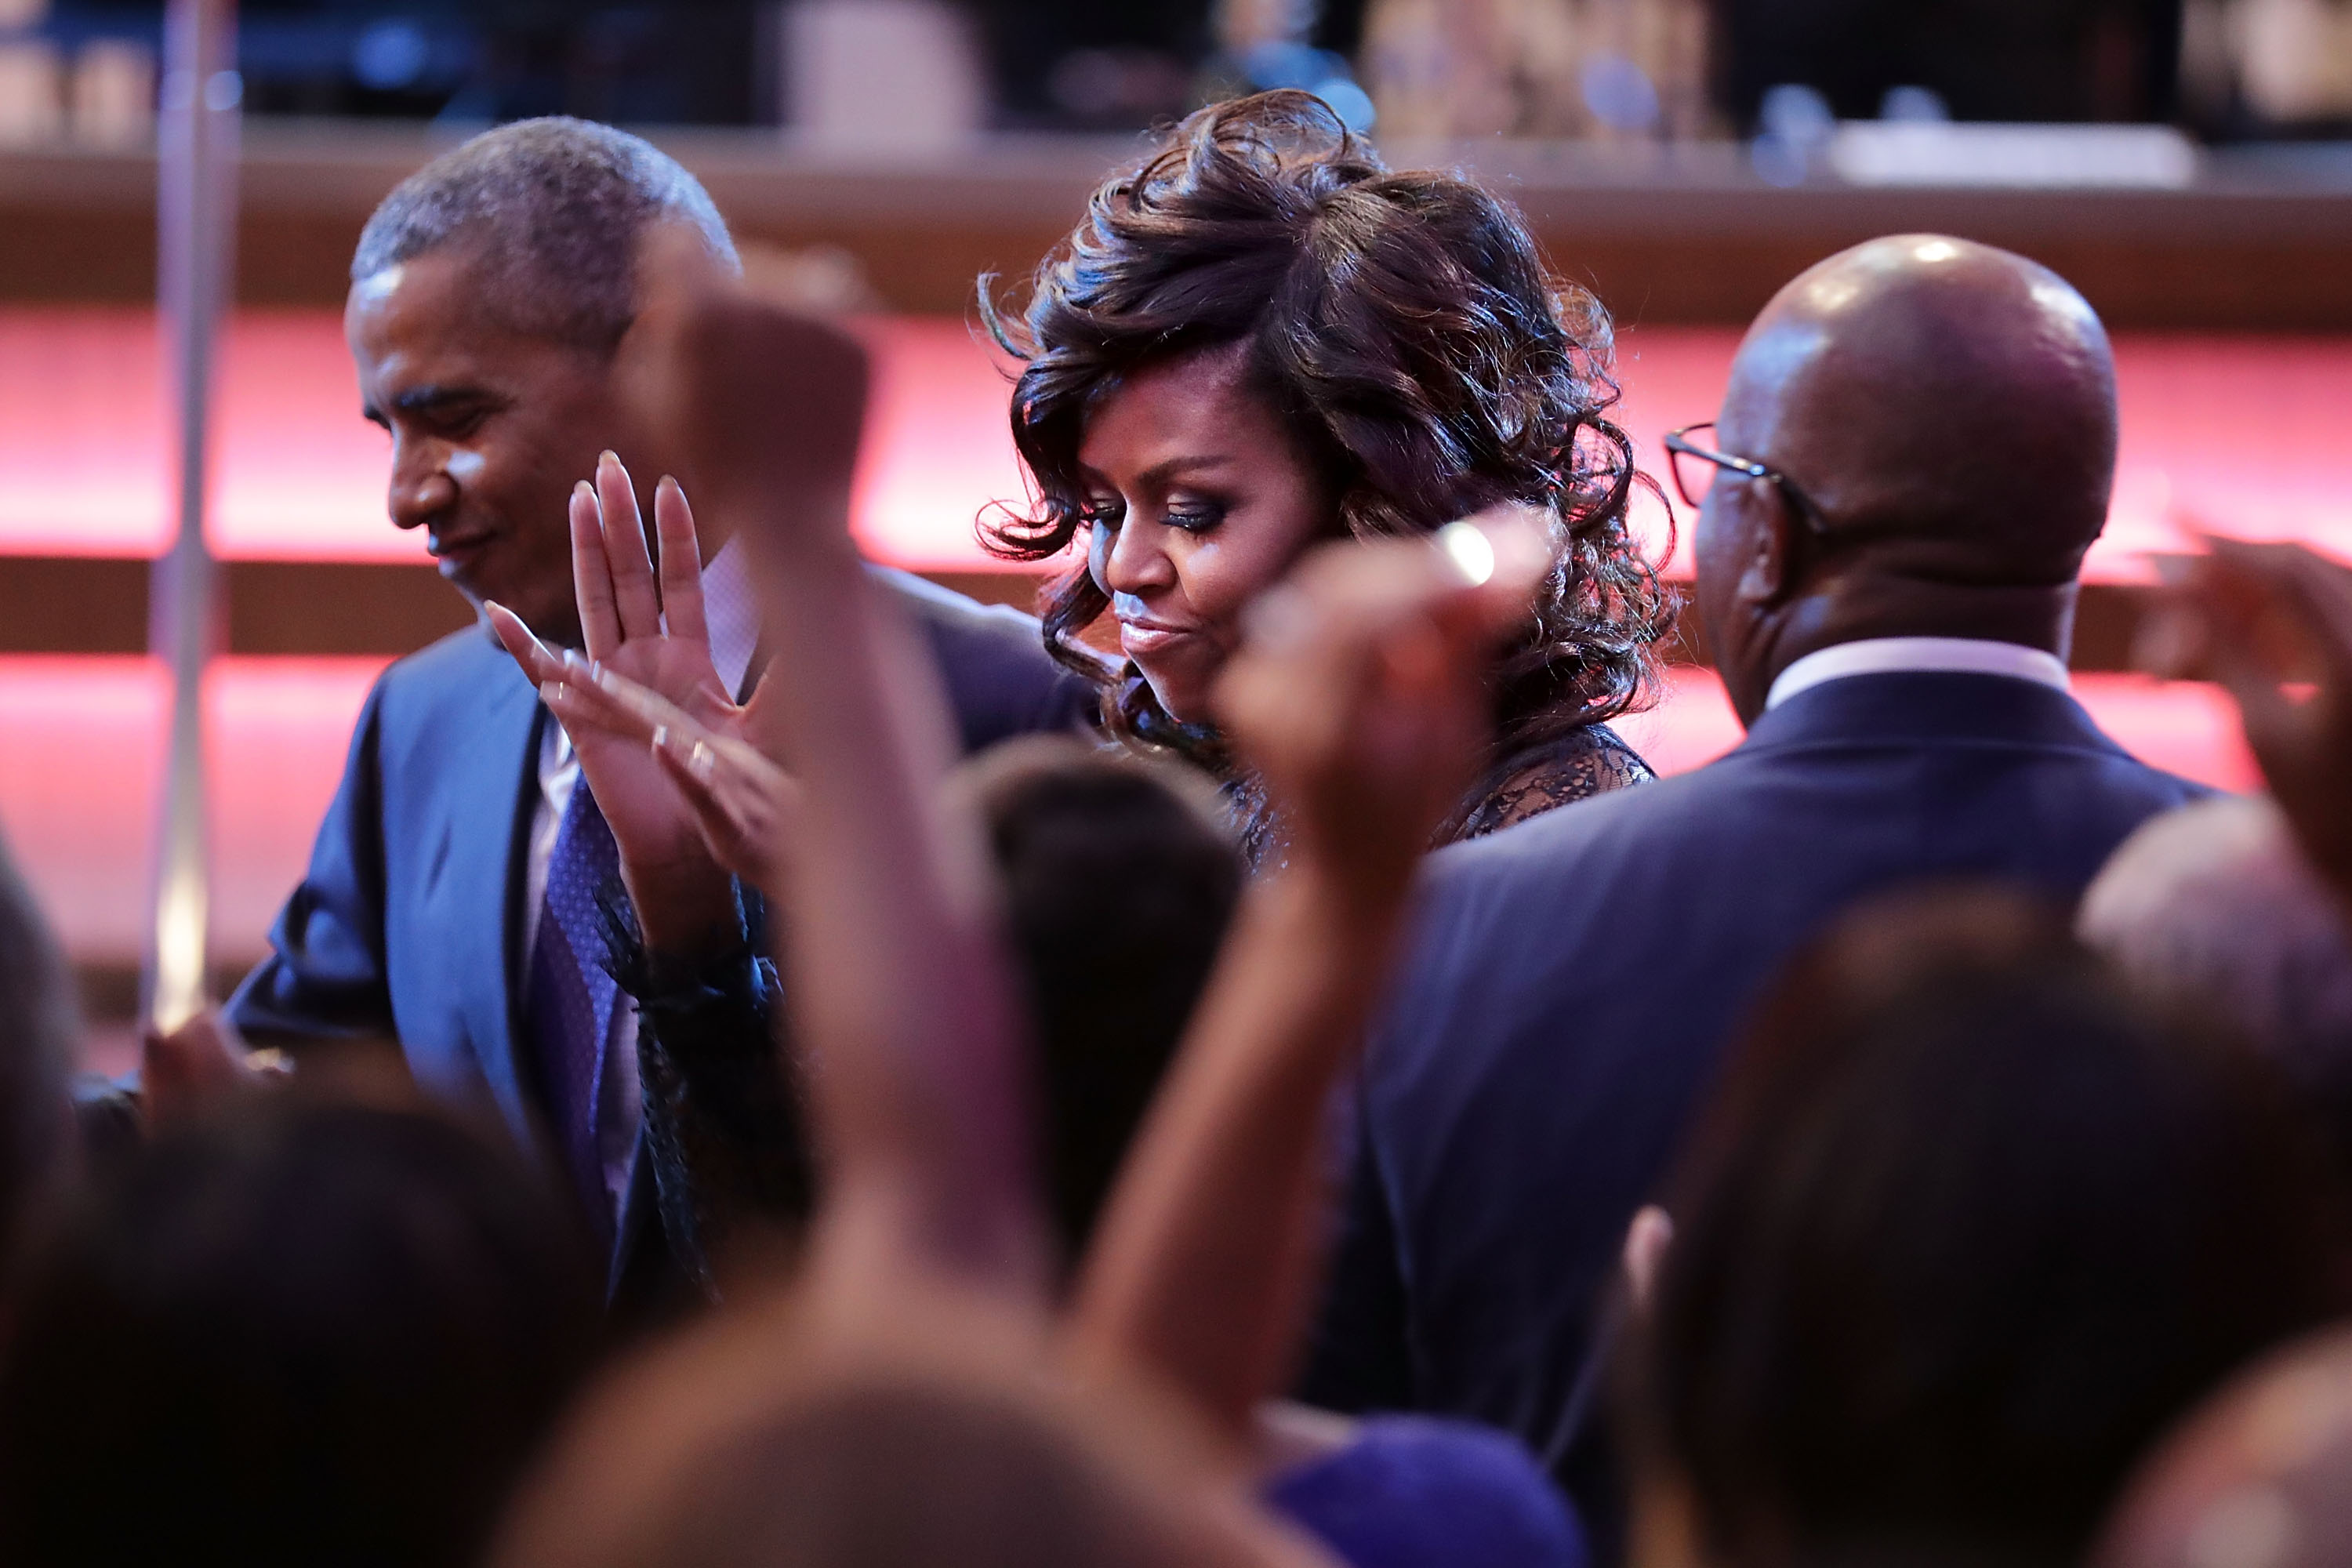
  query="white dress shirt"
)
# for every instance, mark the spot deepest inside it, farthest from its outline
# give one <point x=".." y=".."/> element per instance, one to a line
<point x="731" y="612"/>
<point x="1886" y="655"/>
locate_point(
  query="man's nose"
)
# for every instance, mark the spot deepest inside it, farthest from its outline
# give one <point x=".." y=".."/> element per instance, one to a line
<point x="421" y="489"/>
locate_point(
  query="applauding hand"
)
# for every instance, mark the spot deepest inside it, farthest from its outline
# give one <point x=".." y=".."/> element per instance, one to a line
<point x="681" y="893"/>
<point x="744" y="802"/>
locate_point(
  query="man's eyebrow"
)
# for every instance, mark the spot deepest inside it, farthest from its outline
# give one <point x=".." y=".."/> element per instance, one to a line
<point x="433" y="395"/>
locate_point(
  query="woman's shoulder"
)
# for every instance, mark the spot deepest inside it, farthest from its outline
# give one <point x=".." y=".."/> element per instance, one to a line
<point x="1587" y="761"/>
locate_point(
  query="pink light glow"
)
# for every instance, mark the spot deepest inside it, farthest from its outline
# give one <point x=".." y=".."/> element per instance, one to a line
<point x="80" y="771"/>
<point x="77" y="773"/>
<point x="2237" y="433"/>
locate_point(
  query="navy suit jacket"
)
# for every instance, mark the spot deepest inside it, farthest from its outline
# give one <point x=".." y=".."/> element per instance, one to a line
<point x="1575" y="979"/>
<point x="408" y="924"/>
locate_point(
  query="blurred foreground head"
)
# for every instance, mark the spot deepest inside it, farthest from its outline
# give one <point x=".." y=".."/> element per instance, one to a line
<point x="2259" y="1477"/>
<point x="302" y="1333"/>
<point x="1942" y="417"/>
<point x="1966" y="1229"/>
<point x="2214" y="906"/>
<point x="41" y="1033"/>
<point x="917" y="1434"/>
<point x="1121" y="880"/>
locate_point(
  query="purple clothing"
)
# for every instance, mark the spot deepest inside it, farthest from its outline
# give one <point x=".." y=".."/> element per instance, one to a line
<point x="1409" y="1492"/>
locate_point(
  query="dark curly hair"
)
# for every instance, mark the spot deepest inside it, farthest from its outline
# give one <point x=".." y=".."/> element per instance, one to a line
<point x="1402" y="327"/>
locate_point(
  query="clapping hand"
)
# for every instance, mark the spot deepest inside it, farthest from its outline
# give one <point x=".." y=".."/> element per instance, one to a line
<point x="744" y="802"/>
<point x="2266" y="621"/>
<point x="1357" y="696"/>
<point x="650" y="630"/>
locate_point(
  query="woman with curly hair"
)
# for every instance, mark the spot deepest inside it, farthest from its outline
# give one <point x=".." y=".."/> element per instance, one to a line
<point x="1263" y="338"/>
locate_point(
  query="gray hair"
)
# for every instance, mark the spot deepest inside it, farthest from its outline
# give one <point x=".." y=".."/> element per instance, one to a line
<point x="2213" y="906"/>
<point x="555" y="208"/>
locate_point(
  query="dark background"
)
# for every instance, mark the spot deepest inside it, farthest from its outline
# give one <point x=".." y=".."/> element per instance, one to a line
<point x="716" y="62"/>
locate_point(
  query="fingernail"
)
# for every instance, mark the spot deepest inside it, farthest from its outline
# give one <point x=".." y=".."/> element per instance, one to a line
<point x="550" y="693"/>
<point x="584" y="489"/>
<point x="607" y="456"/>
<point x="661" y="737"/>
<point x="699" y="760"/>
<point x="667" y="483"/>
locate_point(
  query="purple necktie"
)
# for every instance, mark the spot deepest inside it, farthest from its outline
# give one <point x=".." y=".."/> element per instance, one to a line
<point x="570" y="1001"/>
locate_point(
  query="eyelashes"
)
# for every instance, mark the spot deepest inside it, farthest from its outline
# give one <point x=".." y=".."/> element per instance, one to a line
<point x="1199" y="516"/>
<point x="1196" y="518"/>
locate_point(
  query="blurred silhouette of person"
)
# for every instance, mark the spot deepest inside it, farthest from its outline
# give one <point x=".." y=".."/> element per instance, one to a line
<point x="460" y="890"/>
<point x="1967" y="1228"/>
<point x="2214" y="906"/>
<point x="302" y="1333"/>
<point x="1986" y="60"/>
<point x="1890" y="613"/>
<point x="2261" y="1473"/>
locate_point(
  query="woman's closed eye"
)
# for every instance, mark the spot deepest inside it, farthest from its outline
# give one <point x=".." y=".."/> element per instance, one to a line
<point x="1195" y="516"/>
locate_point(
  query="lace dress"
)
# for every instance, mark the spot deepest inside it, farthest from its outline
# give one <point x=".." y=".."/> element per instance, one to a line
<point x="1578" y="766"/>
<point x="1588" y="761"/>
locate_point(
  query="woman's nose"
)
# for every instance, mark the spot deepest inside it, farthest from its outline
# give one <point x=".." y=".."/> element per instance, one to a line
<point x="1131" y="558"/>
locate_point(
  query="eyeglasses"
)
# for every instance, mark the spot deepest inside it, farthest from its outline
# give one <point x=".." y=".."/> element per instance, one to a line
<point x="1695" y="467"/>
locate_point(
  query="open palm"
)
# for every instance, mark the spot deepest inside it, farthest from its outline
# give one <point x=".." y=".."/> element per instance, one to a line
<point x="650" y="628"/>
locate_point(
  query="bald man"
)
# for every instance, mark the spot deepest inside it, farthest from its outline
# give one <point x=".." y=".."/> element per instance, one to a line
<point x="1913" y="456"/>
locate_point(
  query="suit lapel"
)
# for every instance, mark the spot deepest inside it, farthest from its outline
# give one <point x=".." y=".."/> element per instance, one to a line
<point x="493" y="799"/>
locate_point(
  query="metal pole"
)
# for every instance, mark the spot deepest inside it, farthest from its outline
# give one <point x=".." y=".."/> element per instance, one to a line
<point x="195" y="230"/>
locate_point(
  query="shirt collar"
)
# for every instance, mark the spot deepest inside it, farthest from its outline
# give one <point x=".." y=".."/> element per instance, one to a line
<point x="730" y="612"/>
<point x="1886" y="655"/>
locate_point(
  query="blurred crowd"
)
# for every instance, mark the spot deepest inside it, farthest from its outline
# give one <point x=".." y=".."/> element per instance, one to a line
<point x="772" y="1061"/>
<point x="1636" y="71"/>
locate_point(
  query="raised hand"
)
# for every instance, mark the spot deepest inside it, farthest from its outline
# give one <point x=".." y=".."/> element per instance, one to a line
<point x="1357" y="695"/>
<point x="2272" y="623"/>
<point x="745" y="802"/>
<point x="681" y="893"/>
<point x="764" y="398"/>
<point x="199" y="1066"/>
<point x="893" y="967"/>
<point x="1357" y="698"/>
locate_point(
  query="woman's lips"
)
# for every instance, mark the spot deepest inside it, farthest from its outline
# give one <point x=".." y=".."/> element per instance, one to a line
<point x="1142" y="637"/>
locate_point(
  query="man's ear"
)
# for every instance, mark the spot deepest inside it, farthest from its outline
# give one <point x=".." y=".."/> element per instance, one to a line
<point x="1768" y="576"/>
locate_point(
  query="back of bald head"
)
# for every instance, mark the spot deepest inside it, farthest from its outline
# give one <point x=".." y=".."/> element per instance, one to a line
<point x="1954" y="402"/>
